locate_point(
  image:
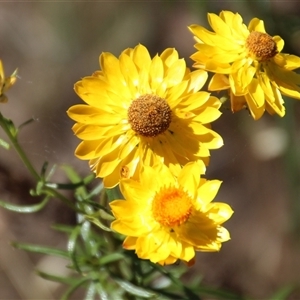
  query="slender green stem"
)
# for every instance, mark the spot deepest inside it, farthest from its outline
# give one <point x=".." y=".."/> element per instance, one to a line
<point x="29" y="166"/>
<point x="55" y="194"/>
<point x="18" y="148"/>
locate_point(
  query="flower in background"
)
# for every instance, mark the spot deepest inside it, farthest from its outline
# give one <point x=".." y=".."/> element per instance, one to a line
<point x="165" y="218"/>
<point x="247" y="61"/>
<point x="5" y="83"/>
<point x="143" y="111"/>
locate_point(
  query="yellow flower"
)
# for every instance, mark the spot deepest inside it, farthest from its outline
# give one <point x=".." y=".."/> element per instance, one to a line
<point x="165" y="219"/>
<point x="5" y="83"/>
<point x="248" y="61"/>
<point x="143" y="111"/>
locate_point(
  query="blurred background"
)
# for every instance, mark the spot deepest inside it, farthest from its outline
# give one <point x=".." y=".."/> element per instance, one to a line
<point x="53" y="45"/>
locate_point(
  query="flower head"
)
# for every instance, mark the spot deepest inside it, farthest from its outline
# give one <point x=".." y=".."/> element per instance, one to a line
<point x="165" y="218"/>
<point x="248" y="61"/>
<point x="5" y="83"/>
<point x="143" y="111"/>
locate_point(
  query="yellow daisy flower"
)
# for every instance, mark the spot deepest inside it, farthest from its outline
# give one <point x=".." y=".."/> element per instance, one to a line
<point x="166" y="218"/>
<point x="143" y="111"/>
<point x="5" y="83"/>
<point x="248" y="61"/>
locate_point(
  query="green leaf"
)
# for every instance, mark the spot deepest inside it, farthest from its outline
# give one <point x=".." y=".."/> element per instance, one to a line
<point x="106" y="259"/>
<point x="63" y="228"/>
<point x="96" y="191"/>
<point x="97" y="222"/>
<point x="4" y="144"/>
<point x="26" y="123"/>
<point x="93" y="204"/>
<point x="71" y="173"/>
<point x="55" y="278"/>
<point x="25" y="209"/>
<point x="73" y="288"/>
<point x="41" y="249"/>
<point x="40" y="187"/>
<point x="91" y="292"/>
<point x="190" y="294"/>
<point x="11" y="127"/>
<point x="72" y="247"/>
<point x="44" y="169"/>
<point x="135" y="290"/>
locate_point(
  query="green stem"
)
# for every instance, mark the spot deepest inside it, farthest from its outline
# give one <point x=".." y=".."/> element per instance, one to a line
<point x="61" y="197"/>
<point x="13" y="138"/>
<point x="18" y="148"/>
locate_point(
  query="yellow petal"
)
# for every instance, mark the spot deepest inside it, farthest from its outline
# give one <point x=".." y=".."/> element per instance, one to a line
<point x="129" y="70"/>
<point x="257" y="25"/>
<point x="237" y="102"/>
<point x="211" y="38"/>
<point x="218" y="25"/>
<point x="207" y="192"/>
<point x="279" y="42"/>
<point x="291" y="61"/>
<point x="141" y="57"/>
<point x="197" y="80"/>
<point x="87" y="149"/>
<point x="169" y="56"/>
<point x="189" y="177"/>
<point x="156" y="73"/>
<point x="219" y="212"/>
<point x="218" y="82"/>
<point x="129" y="243"/>
<point x="208" y="115"/>
<point x="175" y="73"/>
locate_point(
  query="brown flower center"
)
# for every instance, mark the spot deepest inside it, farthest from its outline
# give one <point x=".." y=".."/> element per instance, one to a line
<point x="171" y="207"/>
<point x="149" y="115"/>
<point x="261" y="46"/>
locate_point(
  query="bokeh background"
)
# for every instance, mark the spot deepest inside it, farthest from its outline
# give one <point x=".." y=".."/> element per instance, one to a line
<point x="55" y="43"/>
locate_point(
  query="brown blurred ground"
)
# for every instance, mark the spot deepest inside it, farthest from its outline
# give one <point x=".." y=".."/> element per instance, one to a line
<point x="54" y="45"/>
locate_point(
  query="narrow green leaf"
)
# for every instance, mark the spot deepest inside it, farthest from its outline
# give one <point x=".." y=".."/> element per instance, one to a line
<point x="91" y="292"/>
<point x="73" y="288"/>
<point x="40" y="187"/>
<point x="106" y="259"/>
<point x="25" y="209"/>
<point x="4" y="144"/>
<point x="51" y="172"/>
<point x="103" y="294"/>
<point x="81" y="191"/>
<point x="72" y="186"/>
<point x="25" y="123"/>
<point x="96" y="191"/>
<point x="41" y="249"/>
<point x="106" y="216"/>
<point x="72" y="246"/>
<point x="135" y="290"/>
<point x="63" y="228"/>
<point x="190" y="294"/>
<point x="55" y="278"/>
<point x="71" y="173"/>
<point x="97" y="222"/>
<point x="11" y="127"/>
<point x="44" y="169"/>
<point x="93" y="204"/>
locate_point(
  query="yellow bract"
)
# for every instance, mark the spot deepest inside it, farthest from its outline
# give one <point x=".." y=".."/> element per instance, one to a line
<point x="248" y="62"/>
<point x="143" y="111"/>
<point x="165" y="218"/>
<point x="5" y="83"/>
